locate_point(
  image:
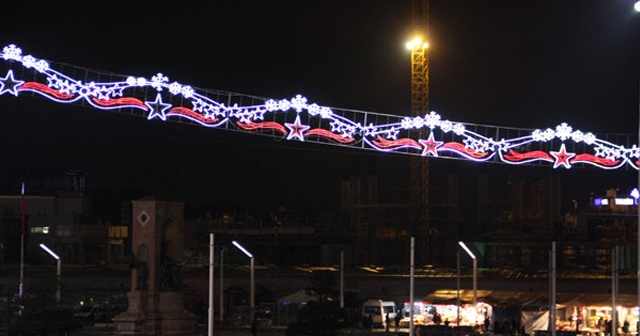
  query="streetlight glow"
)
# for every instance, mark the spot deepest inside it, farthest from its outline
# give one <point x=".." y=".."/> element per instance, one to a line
<point x="636" y="6"/>
<point x="53" y="254"/>
<point x="58" y="276"/>
<point x="466" y="249"/>
<point x="236" y="244"/>
<point x="252" y="296"/>
<point x="475" y="280"/>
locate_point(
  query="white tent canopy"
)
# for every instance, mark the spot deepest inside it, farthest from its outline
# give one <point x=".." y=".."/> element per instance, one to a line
<point x="301" y="296"/>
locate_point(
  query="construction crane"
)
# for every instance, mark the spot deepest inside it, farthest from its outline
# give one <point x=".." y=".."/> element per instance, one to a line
<point x="419" y="166"/>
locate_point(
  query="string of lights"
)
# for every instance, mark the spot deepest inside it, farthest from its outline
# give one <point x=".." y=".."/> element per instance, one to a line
<point x="296" y="119"/>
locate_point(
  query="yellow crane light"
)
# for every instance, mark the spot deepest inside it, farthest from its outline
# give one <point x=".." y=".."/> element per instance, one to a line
<point x="417" y="43"/>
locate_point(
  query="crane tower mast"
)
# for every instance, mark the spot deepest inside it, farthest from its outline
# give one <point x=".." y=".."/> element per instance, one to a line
<point x="419" y="166"/>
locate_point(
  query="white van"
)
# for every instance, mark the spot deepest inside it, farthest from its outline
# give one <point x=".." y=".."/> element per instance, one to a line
<point x="378" y="311"/>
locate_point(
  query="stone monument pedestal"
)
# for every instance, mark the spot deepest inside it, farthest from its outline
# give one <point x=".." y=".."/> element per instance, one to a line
<point x="131" y="322"/>
<point x="170" y="316"/>
<point x="156" y="304"/>
<point x="165" y="315"/>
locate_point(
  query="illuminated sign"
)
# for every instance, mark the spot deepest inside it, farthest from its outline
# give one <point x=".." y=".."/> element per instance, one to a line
<point x="616" y="201"/>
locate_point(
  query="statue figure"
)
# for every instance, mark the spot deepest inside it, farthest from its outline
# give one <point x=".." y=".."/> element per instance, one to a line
<point x="170" y="278"/>
<point x="141" y="267"/>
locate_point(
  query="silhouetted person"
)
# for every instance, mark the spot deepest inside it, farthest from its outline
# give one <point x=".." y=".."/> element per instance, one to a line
<point x="367" y="321"/>
<point x="437" y="319"/>
<point x="625" y="327"/>
<point x="254" y="328"/>
<point x="387" y="321"/>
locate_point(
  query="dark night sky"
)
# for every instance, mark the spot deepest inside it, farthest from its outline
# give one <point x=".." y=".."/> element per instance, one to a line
<point x="525" y="63"/>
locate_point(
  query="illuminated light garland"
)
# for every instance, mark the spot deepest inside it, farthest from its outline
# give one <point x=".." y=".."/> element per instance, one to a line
<point x="45" y="91"/>
<point x="269" y="125"/>
<point x="592" y="159"/>
<point x="383" y="144"/>
<point x="518" y="158"/>
<point x="296" y="129"/>
<point x="327" y="134"/>
<point x="430" y="146"/>
<point x="465" y="151"/>
<point x="119" y="103"/>
<point x="9" y="85"/>
<point x="192" y="115"/>
<point x="562" y="157"/>
<point x="174" y="101"/>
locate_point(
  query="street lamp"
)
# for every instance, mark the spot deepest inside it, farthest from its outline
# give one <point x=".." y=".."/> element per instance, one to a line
<point x="252" y="297"/>
<point x="221" y="310"/>
<point x="58" y="279"/>
<point x="475" y="279"/>
<point x="636" y="6"/>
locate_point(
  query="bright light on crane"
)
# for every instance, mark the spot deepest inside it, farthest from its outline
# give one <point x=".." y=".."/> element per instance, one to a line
<point x="417" y="43"/>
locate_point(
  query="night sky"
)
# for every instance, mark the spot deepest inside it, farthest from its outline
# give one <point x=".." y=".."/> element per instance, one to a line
<point x="525" y="63"/>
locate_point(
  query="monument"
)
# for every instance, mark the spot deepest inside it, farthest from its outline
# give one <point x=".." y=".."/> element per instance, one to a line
<point x="156" y="302"/>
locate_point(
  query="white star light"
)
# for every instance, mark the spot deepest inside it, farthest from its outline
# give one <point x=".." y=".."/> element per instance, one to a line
<point x="9" y="84"/>
<point x="297" y="129"/>
<point x="157" y="108"/>
<point x="393" y="134"/>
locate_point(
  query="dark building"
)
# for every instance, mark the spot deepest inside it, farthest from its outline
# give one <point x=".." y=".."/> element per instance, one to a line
<point x="57" y="212"/>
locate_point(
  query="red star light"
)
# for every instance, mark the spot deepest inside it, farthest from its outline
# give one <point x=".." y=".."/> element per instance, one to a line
<point x="562" y="157"/>
<point x="430" y="146"/>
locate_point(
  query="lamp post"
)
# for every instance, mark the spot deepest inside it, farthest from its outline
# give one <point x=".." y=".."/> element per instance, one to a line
<point x="636" y="6"/>
<point x="58" y="279"/>
<point x="458" y="286"/>
<point x="475" y="279"/>
<point x="252" y="295"/>
<point x="221" y="310"/>
<point x="211" y="273"/>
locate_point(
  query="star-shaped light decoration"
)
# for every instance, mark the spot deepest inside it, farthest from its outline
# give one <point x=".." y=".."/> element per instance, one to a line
<point x="158" y="108"/>
<point x="562" y="157"/>
<point x="430" y="145"/>
<point x="296" y="129"/>
<point x="9" y="84"/>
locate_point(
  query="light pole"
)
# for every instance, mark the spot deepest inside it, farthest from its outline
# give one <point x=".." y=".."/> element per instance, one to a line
<point x="221" y="310"/>
<point x="211" y="273"/>
<point x="252" y="295"/>
<point x="58" y="279"/>
<point x="458" y="286"/>
<point x="475" y="280"/>
<point x="637" y="8"/>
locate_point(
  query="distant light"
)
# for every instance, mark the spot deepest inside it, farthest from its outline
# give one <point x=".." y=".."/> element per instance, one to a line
<point x="416" y="43"/>
<point x="623" y="201"/>
<point x="635" y="193"/>
<point x="236" y="244"/>
<point x="636" y="6"/>
<point x="53" y="254"/>
<point x="464" y="246"/>
<point x="409" y="45"/>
